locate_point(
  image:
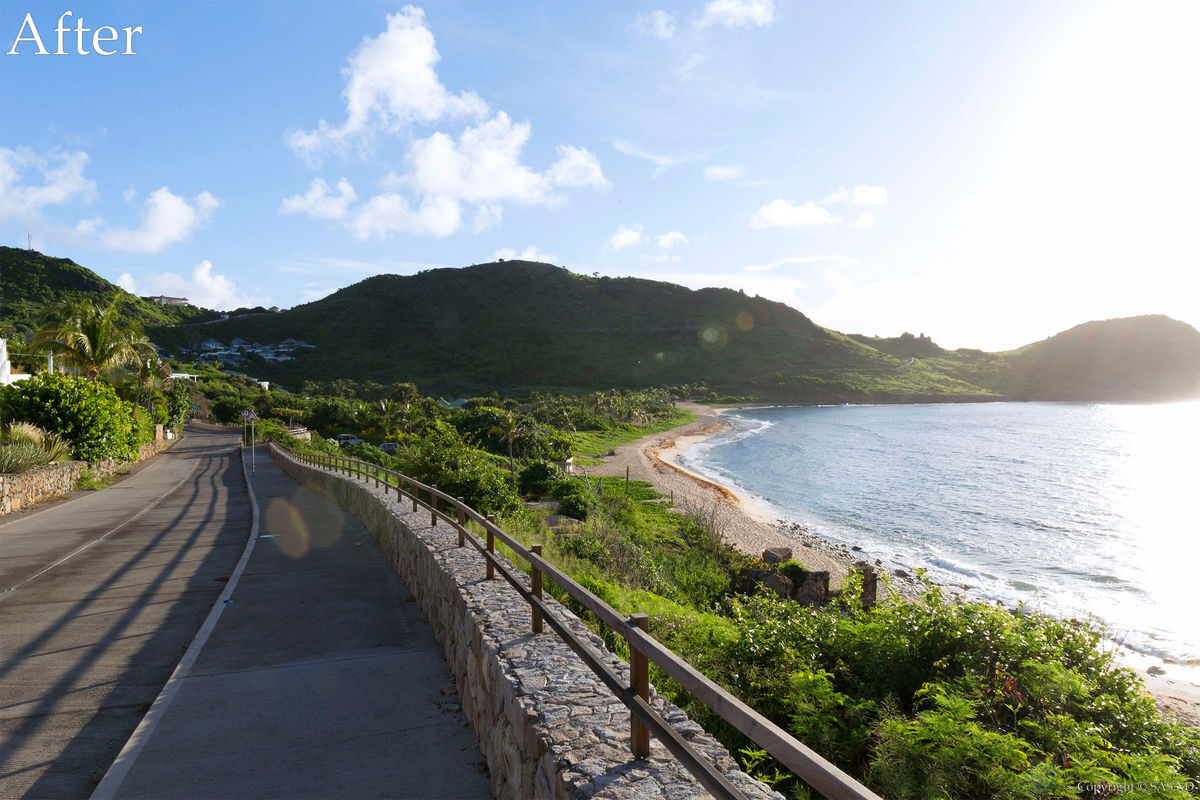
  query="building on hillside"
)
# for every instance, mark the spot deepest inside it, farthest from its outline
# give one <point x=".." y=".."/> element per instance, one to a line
<point x="163" y="300"/>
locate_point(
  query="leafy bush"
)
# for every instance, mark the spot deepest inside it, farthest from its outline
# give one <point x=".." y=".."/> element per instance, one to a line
<point x="88" y="415"/>
<point x="143" y="428"/>
<point x="179" y="405"/>
<point x="574" y="498"/>
<point x="538" y="477"/>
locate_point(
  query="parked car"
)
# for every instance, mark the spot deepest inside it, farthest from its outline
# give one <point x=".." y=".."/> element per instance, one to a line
<point x="389" y="447"/>
<point x="348" y="439"/>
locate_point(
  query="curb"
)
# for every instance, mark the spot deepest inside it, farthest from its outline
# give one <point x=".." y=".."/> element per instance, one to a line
<point x="110" y="784"/>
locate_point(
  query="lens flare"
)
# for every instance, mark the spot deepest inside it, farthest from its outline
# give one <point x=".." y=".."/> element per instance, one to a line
<point x="713" y="337"/>
<point x="298" y="527"/>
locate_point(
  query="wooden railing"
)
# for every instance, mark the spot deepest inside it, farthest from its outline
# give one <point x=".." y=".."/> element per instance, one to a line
<point x="643" y="648"/>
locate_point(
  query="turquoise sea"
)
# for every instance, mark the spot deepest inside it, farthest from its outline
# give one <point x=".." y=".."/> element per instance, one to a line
<point x="1078" y="510"/>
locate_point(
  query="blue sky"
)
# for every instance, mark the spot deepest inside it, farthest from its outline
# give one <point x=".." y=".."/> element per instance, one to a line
<point x="986" y="173"/>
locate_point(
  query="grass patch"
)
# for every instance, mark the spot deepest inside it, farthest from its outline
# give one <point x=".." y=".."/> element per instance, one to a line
<point x="88" y="481"/>
<point x="591" y="446"/>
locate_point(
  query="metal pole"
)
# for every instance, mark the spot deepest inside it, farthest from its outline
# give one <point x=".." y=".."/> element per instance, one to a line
<point x="252" y="464"/>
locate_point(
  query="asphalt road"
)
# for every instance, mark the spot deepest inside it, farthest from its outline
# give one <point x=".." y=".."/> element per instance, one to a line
<point x="104" y="592"/>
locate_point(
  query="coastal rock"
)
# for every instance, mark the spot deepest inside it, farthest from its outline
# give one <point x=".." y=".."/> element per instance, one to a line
<point x="748" y="581"/>
<point x="1155" y="670"/>
<point x="870" y="583"/>
<point x="777" y="555"/>
<point x="813" y="586"/>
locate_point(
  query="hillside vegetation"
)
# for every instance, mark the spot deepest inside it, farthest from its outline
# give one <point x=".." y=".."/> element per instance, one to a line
<point x="31" y="283"/>
<point x="525" y="326"/>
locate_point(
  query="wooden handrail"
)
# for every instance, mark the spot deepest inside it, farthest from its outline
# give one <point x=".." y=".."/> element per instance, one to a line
<point x="804" y="762"/>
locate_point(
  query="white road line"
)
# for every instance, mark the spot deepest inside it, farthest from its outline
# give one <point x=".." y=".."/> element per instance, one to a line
<point x="97" y="541"/>
<point x="112" y="780"/>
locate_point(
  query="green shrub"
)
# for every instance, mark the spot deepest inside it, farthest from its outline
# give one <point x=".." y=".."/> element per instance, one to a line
<point x="538" y="477"/>
<point x="88" y="415"/>
<point x="574" y="498"/>
<point x="143" y="428"/>
<point x="179" y="405"/>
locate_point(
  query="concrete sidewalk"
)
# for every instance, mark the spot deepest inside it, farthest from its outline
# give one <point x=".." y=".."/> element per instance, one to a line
<point x="320" y="678"/>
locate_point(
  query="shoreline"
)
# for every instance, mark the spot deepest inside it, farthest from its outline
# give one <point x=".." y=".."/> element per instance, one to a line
<point x="750" y="527"/>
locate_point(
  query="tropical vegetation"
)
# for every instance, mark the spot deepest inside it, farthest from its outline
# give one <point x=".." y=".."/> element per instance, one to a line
<point x="24" y="447"/>
<point x="919" y="697"/>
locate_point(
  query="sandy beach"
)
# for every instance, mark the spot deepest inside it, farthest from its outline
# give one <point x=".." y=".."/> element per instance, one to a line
<point x="751" y="528"/>
<point x="742" y="522"/>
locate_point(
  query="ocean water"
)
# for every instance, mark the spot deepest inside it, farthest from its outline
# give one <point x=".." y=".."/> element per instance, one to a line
<point x="1074" y="509"/>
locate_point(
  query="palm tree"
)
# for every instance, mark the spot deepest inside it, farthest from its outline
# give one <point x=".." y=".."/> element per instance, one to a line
<point x="512" y="428"/>
<point x="91" y="340"/>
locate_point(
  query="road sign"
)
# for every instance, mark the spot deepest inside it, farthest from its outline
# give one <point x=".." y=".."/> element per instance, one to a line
<point x="245" y="413"/>
<point x="250" y="415"/>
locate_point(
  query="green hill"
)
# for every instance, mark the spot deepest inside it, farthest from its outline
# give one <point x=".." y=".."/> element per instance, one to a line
<point x="519" y="325"/>
<point x="31" y="283"/>
<point x="524" y="325"/>
<point x="1132" y="359"/>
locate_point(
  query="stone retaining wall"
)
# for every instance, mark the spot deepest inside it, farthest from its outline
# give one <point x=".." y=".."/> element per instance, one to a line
<point x="546" y="724"/>
<point x="23" y="489"/>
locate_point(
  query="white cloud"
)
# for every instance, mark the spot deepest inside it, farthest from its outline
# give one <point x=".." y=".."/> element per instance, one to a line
<point x="22" y="195"/>
<point x="453" y="179"/>
<point x="865" y="220"/>
<point x="846" y="261"/>
<point x="130" y="194"/>
<point x="390" y="83"/>
<point x="577" y="168"/>
<point x="861" y="195"/>
<point x="530" y="253"/>
<point x="167" y="219"/>
<point x="668" y="240"/>
<point x="483" y="165"/>
<point x="385" y="214"/>
<point x="319" y="203"/>
<point x="738" y="13"/>
<point x="782" y="214"/>
<point x="661" y="162"/>
<point x="661" y="258"/>
<point x="625" y="237"/>
<point x="203" y="288"/>
<point x="719" y="173"/>
<point x="657" y="23"/>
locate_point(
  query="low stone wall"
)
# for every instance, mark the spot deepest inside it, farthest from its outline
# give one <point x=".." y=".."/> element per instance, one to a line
<point x="546" y="724"/>
<point x="23" y="489"/>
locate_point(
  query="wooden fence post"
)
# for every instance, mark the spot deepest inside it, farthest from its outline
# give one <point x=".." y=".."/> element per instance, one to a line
<point x="433" y="505"/>
<point x="639" y="681"/>
<point x="462" y="521"/>
<point x="414" y="498"/>
<point x="491" y="545"/>
<point x="536" y="576"/>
